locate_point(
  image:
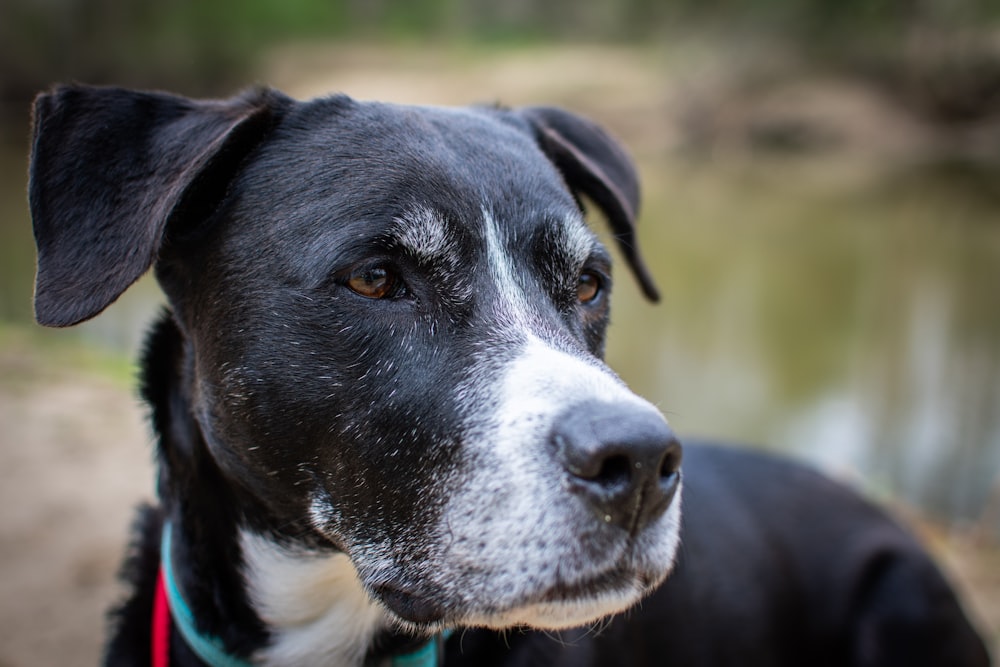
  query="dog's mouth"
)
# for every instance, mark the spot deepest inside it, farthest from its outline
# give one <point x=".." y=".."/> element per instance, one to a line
<point x="564" y="604"/>
<point x="597" y="586"/>
<point x="421" y="608"/>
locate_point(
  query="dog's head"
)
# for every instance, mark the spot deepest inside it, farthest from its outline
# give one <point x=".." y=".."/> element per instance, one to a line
<point x="392" y="321"/>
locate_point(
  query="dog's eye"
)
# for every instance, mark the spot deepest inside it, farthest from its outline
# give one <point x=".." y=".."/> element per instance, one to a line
<point x="588" y="287"/>
<point x="374" y="282"/>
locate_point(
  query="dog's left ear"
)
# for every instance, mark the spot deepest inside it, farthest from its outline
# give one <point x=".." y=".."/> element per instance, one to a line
<point x="595" y="165"/>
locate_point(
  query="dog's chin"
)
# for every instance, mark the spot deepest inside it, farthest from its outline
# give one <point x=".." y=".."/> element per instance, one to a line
<point x="560" y="613"/>
<point x="559" y="608"/>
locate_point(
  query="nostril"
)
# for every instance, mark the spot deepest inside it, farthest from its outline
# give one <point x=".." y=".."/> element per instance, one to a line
<point x="671" y="461"/>
<point x="614" y="471"/>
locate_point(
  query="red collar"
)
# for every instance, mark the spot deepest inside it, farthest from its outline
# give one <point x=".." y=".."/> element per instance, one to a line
<point x="160" y="639"/>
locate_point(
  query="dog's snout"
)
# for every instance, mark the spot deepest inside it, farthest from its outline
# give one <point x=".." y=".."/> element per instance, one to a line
<point x="624" y="461"/>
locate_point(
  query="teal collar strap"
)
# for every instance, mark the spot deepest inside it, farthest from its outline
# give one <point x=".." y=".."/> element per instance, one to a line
<point x="206" y="647"/>
<point x="211" y="650"/>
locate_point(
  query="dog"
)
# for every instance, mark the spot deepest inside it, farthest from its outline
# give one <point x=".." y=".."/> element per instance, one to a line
<point x="385" y="431"/>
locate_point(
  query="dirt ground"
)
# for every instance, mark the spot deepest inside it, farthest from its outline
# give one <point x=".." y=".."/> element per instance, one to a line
<point x="74" y="461"/>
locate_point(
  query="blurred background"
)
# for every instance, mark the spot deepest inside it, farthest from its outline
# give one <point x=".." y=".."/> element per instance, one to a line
<point x="821" y="210"/>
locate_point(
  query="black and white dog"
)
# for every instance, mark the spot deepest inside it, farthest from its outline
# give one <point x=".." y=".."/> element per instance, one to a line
<point x="385" y="432"/>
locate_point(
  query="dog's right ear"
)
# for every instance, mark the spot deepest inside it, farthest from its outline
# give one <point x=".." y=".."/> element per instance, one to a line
<point x="112" y="169"/>
<point x="594" y="164"/>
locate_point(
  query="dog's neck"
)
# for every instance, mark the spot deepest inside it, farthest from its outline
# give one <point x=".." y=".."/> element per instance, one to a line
<point x="247" y="590"/>
<point x="197" y="501"/>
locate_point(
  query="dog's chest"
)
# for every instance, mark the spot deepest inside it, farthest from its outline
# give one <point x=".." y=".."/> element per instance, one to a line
<point x="313" y="604"/>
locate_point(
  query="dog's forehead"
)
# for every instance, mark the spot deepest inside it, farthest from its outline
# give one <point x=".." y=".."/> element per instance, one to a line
<point x="438" y="132"/>
<point x="371" y="156"/>
<point x="338" y="171"/>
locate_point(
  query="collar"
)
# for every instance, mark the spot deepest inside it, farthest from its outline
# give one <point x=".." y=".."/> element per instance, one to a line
<point x="168" y="603"/>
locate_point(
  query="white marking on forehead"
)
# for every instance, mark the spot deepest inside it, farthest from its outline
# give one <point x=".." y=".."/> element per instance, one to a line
<point x="576" y="243"/>
<point x="513" y="303"/>
<point x="313" y="603"/>
<point x="424" y="233"/>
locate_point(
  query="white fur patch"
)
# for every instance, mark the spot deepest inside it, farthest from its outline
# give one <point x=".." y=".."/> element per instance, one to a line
<point x="512" y="306"/>
<point x="514" y="530"/>
<point x="313" y="603"/>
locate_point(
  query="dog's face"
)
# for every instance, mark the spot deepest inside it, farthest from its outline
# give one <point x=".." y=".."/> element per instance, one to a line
<point x="395" y="319"/>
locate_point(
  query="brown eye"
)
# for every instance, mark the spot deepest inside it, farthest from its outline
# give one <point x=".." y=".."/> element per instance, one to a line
<point x="588" y="287"/>
<point x="373" y="282"/>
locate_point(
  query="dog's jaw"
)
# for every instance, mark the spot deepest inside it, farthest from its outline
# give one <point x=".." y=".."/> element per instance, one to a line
<point x="313" y="603"/>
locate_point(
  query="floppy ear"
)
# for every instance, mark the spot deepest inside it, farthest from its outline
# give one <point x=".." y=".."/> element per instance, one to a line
<point x="112" y="169"/>
<point x="594" y="164"/>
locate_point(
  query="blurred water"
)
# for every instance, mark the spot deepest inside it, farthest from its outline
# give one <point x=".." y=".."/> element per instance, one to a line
<point x="857" y="327"/>
<point x="853" y="322"/>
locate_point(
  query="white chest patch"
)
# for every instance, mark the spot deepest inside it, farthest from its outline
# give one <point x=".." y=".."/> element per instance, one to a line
<point x="314" y="604"/>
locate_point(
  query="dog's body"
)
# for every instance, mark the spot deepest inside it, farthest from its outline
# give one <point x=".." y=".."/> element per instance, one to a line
<point x="382" y="413"/>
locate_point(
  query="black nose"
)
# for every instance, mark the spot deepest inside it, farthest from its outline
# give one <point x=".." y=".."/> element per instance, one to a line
<point x="623" y="460"/>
